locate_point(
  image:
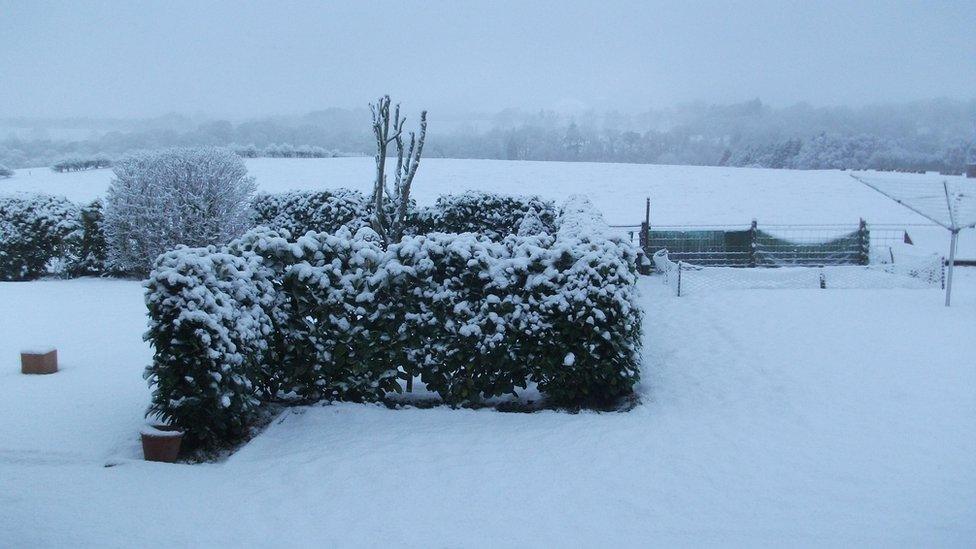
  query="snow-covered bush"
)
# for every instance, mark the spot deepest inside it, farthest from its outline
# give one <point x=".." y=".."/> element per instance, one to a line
<point x="38" y="234"/>
<point x="454" y="302"/>
<point x="5" y="171"/>
<point x="339" y="329"/>
<point x="208" y="327"/>
<point x="159" y="200"/>
<point x="299" y="212"/>
<point x="491" y="215"/>
<point x="90" y="254"/>
<point x="588" y="295"/>
<point x="330" y="308"/>
<point x="333" y="316"/>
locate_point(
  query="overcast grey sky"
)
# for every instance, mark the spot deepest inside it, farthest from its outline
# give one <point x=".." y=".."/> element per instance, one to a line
<point x="249" y="58"/>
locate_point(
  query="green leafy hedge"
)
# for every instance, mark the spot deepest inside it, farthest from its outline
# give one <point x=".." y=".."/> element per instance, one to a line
<point x="333" y="316"/>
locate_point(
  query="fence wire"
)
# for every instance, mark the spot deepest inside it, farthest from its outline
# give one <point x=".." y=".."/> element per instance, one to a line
<point x="687" y="279"/>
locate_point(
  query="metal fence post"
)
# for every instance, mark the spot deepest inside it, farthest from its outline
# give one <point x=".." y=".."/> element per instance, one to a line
<point x="864" y="240"/>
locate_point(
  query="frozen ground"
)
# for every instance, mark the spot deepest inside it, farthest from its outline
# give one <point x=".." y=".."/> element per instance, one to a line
<point x="769" y="417"/>
<point x="679" y="194"/>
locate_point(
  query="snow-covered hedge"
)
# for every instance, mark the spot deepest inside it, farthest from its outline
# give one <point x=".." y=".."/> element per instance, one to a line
<point x="209" y="327"/>
<point x="5" y="171"/>
<point x="457" y="298"/>
<point x="589" y="292"/>
<point x="299" y="212"/>
<point x="333" y="316"/>
<point x="339" y="327"/>
<point x="39" y="234"/>
<point x="491" y="215"/>
<point x="49" y="235"/>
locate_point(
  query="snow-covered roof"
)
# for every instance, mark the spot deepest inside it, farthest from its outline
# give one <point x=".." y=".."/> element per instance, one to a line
<point x="950" y="202"/>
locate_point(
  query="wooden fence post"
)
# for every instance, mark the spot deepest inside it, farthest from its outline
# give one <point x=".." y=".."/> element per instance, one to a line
<point x="679" y="278"/>
<point x="753" y="242"/>
<point x="864" y="241"/>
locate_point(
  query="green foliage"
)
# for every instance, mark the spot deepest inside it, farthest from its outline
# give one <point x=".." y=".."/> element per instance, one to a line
<point x="333" y="316"/>
<point x="299" y="212"/>
<point x="91" y="248"/>
<point x="589" y="356"/>
<point x="38" y="235"/>
<point x="208" y="328"/>
<point x="494" y="216"/>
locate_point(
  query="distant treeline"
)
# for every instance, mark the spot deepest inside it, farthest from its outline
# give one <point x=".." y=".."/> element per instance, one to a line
<point x="284" y="150"/>
<point x="929" y="135"/>
<point x="75" y="164"/>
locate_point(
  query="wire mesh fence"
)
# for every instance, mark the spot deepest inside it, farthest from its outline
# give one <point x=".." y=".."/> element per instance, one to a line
<point x="773" y="245"/>
<point x="766" y="245"/>
<point x="688" y="279"/>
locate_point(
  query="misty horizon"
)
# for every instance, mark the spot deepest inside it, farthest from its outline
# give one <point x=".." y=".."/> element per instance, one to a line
<point x="226" y="61"/>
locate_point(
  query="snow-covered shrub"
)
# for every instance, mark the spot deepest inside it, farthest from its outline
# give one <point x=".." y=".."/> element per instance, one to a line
<point x="208" y="327"/>
<point x="333" y="316"/>
<point x="38" y="234"/>
<point x="531" y="224"/>
<point x="159" y="200"/>
<point x="589" y="355"/>
<point x="90" y="254"/>
<point x="5" y="171"/>
<point x="491" y="215"/>
<point x="299" y="212"/>
<point x="454" y="300"/>
<point x="339" y="334"/>
<point x="331" y="329"/>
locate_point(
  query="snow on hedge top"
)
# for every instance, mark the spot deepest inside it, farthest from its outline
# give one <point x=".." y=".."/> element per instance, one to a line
<point x="580" y="219"/>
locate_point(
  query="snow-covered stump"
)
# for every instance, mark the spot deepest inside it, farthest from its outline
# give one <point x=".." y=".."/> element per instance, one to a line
<point x="39" y="361"/>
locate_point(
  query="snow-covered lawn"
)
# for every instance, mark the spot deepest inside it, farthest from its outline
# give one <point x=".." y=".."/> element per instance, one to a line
<point x="768" y="417"/>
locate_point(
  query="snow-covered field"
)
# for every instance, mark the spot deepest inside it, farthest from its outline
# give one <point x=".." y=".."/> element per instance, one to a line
<point x="768" y="417"/>
<point x="679" y="194"/>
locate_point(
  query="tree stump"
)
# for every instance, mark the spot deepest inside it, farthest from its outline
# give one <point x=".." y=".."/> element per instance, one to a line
<point x="40" y="361"/>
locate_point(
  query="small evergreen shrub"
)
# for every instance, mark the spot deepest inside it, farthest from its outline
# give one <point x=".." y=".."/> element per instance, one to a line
<point x="39" y="235"/>
<point x="209" y="327"/>
<point x="494" y="216"/>
<point x="91" y="250"/>
<point x="299" y="212"/>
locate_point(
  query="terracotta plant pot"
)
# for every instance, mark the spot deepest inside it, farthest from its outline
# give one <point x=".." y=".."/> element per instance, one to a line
<point x="161" y="445"/>
<point x="41" y="361"/>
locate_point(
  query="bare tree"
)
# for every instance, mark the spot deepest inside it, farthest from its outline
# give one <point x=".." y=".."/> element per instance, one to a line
<point x="390" y="208"/>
